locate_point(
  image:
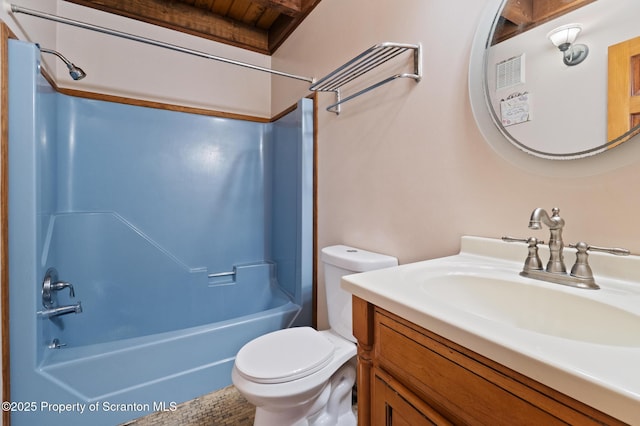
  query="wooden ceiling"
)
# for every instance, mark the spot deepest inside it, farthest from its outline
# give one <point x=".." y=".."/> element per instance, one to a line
<point x="519" y="16"/>
<point x="258" y="25"/>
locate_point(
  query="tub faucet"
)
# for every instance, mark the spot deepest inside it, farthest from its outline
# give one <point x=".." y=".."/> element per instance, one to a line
<point x="51" y="284"/>
<point x="61" y="310"/>
<point x="555" y="224"/>
<point x="60" y="285"/>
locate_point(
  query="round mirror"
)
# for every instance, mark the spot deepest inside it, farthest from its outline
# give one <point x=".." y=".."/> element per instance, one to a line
<point x="556" y="79"/>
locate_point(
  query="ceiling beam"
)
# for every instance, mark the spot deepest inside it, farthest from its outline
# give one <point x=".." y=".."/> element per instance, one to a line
<point x="545" y="10"/>
<point x="291" y="8"/>
<point x="188" y="19"/>
<point x="519" y="16"/>
<point x="519" y="12"/>
<point x="283" y="27"/>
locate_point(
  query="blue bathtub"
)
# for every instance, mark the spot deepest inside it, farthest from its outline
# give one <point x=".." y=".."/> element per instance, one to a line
<point x="184" y="237"/>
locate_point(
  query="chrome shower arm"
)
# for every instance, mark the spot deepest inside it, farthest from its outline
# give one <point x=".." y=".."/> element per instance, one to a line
<point x="58" y="54"/>
<point x="76" y="72"/>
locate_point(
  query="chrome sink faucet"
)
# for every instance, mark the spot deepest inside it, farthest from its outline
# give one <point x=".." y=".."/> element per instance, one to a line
<point x="581" y="275"/>
<point x="556" y="245"/>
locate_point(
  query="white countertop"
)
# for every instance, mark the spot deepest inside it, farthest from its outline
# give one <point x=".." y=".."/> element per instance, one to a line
<point x="605" y="376"/>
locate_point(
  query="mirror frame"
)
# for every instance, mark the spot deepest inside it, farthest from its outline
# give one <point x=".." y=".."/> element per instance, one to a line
<point x="599" y="161"/>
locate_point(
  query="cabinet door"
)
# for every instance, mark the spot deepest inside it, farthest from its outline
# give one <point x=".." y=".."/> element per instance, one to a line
<point x="394" y="405"/>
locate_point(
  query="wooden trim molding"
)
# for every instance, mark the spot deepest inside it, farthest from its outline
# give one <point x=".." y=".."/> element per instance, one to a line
<point x="362" y="312"/>
<point x="157" y="105"/>
<point x="314" y="288"/>
<point x="5" y="35"/>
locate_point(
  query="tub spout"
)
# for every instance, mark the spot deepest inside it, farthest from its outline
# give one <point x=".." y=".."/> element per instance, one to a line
<point x="62" y="310"/>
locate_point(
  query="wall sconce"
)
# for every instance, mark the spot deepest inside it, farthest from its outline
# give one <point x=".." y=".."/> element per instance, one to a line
<point x="563" y="38"/>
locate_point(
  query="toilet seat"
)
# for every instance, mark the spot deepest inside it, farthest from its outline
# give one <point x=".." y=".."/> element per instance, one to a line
<point x="284" y="355"/>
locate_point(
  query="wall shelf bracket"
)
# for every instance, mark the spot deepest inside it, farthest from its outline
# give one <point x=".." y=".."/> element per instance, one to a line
<point x="363" y="63"/>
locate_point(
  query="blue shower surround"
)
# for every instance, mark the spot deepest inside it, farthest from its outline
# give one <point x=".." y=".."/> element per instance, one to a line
<point x="137" y="207"/>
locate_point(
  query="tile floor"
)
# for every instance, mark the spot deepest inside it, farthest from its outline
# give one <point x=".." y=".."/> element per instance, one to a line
<point x="225" y="407"/>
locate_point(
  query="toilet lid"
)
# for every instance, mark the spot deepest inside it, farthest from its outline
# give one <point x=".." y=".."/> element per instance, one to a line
<point x="284" y="355"/>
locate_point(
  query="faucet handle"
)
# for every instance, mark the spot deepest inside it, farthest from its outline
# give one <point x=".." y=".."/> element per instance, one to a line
<point x="532" y="241"/>
<point x="532" y="262"/>
<point x="581" y="268"/>
<point x="582" y="246"/>
<point x="60" y="285"/>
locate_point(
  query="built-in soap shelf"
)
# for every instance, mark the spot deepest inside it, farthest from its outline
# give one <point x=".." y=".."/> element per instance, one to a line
<point x="363" y="63"/>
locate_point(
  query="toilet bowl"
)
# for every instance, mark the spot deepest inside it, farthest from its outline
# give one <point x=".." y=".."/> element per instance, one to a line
<point x="300" y="376"/>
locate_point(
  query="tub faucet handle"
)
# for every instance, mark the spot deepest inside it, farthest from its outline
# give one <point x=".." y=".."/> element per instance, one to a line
<point x="60" y="285"/>
<point x="51" y="284"/>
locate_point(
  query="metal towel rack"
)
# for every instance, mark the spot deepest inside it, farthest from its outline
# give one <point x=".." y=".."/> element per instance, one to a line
<point x="363" y="63"/>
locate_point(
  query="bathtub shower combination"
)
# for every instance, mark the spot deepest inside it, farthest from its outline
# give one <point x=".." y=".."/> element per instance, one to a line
<point x="145" y="248"/>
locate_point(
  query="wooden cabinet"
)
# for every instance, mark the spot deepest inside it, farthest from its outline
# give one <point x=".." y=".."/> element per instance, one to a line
<point x="394" y="405"/>
<point x="408" y="375"/>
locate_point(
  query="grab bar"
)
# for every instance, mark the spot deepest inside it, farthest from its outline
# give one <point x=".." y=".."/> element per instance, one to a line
<point x="223" y="274"/>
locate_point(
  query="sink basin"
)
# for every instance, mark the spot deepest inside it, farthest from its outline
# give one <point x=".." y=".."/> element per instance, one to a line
<point x="537" y="308"/>
<point x="583" y="343"/>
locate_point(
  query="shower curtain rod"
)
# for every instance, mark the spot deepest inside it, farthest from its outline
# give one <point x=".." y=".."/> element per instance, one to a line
<point x="62" y="20"/>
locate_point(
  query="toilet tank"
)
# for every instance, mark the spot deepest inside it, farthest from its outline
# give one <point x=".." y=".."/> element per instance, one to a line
<point x="343" y="260"/>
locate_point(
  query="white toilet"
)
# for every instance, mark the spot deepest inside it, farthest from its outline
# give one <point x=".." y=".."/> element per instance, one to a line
<point x="300" y="376"/>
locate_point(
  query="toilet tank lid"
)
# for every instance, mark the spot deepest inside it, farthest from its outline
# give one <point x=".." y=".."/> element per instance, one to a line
<point x="355" y="259"/>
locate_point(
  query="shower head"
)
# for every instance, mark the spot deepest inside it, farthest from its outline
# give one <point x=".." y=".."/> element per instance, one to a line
<point x="75" y="72"/>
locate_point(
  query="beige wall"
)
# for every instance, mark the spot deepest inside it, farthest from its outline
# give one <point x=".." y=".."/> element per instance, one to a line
<point x="405" y="171"/>
<point x="128" y="68"/>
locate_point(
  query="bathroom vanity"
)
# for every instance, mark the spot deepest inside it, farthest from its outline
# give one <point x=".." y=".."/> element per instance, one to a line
<point x="466" y="339"/>
<point x="408" y="375"/>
